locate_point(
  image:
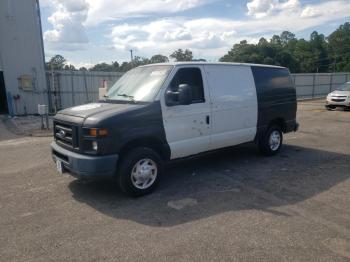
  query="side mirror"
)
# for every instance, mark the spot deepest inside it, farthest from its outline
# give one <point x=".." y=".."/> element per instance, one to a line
<point x="171" y="98"/>
<point x="185" y="94"/>
<point x="181" y="97"/>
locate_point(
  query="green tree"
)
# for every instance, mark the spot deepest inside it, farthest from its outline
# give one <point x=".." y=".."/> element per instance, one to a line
<point x="299" y="55"/>
<point x="139" y="61"/>
<point x="69" y="67"/>
<point x="243" y="52"/>
<point x="180" y="55"/>
<point x="319" y="49"/>
<point x="158" y="59"/>
<point x="286" y="38"/>
<point x="56" y="62"/>
<point x="199" y="60"/>
<point x="102" y="67"/>
<point x="126" y="66"/>
<point x="276" y="40"/>
<point x="339" y="48"/>
<point x="303" y="54"/>
<point x="115" y="66"/>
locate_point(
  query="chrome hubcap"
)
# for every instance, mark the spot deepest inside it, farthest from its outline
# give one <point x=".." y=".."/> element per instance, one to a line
<point x="144" y="173"/>
<point x="275" y="140"/>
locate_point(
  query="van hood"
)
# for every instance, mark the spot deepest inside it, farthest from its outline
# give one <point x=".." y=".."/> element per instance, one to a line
<point x="93" y="109"/>
<point x="340" y="93"/>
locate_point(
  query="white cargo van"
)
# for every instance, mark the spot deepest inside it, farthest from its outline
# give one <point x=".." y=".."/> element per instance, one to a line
<point x="161" y="112"/>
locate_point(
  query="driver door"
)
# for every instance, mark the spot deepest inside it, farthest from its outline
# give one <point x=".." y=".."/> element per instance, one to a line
<point x="187" y="127"/>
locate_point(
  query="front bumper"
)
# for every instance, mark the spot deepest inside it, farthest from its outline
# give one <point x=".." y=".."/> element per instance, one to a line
<point x="330" y="102"/>
<point x="84" y="166"/>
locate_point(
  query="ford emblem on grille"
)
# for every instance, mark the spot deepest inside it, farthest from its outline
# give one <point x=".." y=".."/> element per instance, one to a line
<point x="61" y="134"/>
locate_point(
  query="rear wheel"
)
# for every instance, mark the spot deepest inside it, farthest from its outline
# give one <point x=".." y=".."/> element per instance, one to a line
<point x="139" y="171"/>
<point x="270" y="143"/>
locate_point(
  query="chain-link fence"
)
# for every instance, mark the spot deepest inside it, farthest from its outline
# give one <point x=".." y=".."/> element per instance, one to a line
<point x="318" y="85"/>
<point x="70" y="88"/>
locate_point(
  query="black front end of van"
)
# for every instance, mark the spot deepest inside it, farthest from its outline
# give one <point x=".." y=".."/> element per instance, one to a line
<point x="89" y="139"/>
<point x="74" y="150"/>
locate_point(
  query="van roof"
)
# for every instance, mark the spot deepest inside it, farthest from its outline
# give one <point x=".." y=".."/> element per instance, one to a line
<point x="217" y="63"/>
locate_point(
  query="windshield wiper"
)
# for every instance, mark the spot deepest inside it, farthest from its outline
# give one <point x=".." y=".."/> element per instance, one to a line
<point x="128" y="96"/>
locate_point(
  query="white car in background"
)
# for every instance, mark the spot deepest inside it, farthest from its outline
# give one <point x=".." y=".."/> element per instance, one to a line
<point x="339" y="97"/>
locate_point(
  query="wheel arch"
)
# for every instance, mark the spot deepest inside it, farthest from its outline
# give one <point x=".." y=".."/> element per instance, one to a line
<point x="281" y="122"/>
<point x="147" y="141"/>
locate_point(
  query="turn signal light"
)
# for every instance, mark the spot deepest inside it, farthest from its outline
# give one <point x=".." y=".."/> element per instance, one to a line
<point x="93" y="132"/>
<point x="98" y="132"/>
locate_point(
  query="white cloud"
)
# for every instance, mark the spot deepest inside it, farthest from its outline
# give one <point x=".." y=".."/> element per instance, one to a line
<point x="67" y="22"/>
<point x="207" y="37"/>
<point x="80" y="64"/>
<point x="263" y="8"/>
<point x="260" y="8"/>
<point x="310" y="12"/>
<point x="213" y="35"/>
<point x="101" y="11"/>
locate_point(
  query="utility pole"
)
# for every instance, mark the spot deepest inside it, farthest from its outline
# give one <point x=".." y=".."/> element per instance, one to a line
<point x="132" y="57"/>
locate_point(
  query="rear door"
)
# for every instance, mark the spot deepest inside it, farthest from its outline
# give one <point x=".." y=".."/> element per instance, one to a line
<point x="234" y="104"/>
<point x="187" y="127"/>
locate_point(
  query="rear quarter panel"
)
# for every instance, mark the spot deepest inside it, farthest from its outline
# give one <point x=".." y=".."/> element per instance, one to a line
<point x="276" y="95"/>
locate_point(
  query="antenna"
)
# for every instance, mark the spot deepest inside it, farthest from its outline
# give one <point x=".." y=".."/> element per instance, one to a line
<point x="132" y="57"/>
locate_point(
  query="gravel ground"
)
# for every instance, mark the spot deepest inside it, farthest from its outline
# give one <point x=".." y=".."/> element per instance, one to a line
<point x="235" y="205"/>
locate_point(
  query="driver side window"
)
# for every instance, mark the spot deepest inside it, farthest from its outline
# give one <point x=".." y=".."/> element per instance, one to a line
<point x="191" y="76"/>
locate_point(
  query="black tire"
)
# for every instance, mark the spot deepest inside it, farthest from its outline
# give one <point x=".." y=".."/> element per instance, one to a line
<point x="330" y="107"/>
<point x="264" y="141"/>
<point x="126" y="166"/>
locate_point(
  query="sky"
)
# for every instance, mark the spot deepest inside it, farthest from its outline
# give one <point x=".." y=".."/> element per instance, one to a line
<point x="87" y="32"/>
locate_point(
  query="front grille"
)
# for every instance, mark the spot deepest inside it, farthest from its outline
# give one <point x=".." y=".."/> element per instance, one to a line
<point x="338" y="100"/>
<point x="66" y="134"/>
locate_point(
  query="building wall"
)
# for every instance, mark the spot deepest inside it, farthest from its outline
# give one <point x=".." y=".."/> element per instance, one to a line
<point x="21" y="53"/>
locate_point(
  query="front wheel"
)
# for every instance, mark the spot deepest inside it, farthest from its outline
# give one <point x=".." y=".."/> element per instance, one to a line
<point x="330" y="107"/>
<point x="139" y="171"/>
<point x="270" y="143"/>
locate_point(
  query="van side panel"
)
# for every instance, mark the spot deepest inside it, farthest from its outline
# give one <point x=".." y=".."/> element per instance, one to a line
<point x="234" y="105"/>
<point x="276" y="97"/>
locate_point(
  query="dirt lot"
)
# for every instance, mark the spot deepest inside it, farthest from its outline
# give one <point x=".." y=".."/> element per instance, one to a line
<point x="232" y="205"/>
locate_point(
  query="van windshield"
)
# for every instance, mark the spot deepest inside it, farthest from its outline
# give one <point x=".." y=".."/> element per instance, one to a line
<point x="140" y="84"/>
<point x="345" y="87"/>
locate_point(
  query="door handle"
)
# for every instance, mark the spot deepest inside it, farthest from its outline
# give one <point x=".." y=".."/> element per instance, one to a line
<point x="207" y="120"/>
